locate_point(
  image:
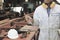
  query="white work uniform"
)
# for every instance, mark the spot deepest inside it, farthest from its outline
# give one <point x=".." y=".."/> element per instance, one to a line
<point x="48" y="25"/>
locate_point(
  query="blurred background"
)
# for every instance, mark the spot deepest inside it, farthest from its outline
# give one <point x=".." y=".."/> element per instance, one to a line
<point x="11" y="7"/>
<point x="15" y="14"/>
<point x="14" y="7"/>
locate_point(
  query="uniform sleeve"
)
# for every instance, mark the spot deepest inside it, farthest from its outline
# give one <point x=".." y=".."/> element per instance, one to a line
<point x="35" y="18"/>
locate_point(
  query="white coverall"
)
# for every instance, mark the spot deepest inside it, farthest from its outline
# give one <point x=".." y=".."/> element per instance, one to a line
<point x="48" y="25"/>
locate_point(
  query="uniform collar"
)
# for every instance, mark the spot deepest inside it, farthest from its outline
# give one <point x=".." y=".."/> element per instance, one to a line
<point x="51" y="6"/>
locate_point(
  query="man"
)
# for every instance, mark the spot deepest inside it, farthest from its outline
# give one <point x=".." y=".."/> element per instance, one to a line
<point x="47" y="18"/>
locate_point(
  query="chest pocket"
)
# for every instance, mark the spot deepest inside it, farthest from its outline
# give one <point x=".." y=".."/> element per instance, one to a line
<point x="55" y="14"/>
<point x="54" y="19"/>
